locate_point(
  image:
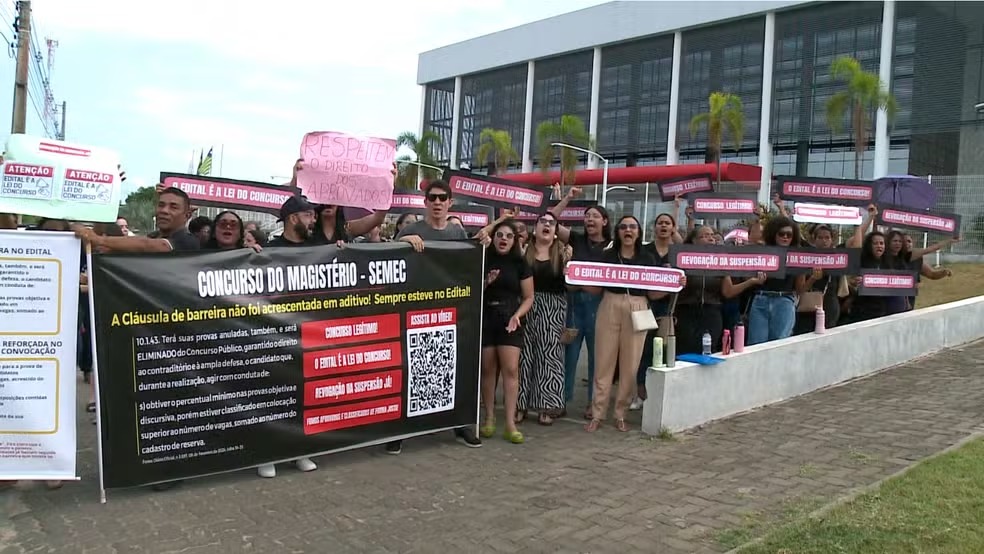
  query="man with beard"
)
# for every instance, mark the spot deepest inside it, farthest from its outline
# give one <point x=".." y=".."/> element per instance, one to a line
<point x="435" y="226"/>
<point x="297" y="215"/>
<point x="173" y="211"/>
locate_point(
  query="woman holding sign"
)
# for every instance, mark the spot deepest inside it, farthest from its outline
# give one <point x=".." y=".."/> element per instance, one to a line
<point x="616" y="339"/>
<point x="772" y="313"/>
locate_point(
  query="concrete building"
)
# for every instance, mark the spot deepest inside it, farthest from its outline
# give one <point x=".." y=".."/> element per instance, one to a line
<point x="637" y="72"/>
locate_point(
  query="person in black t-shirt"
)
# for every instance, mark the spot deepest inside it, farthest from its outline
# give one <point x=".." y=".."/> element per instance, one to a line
<point x="173" y="211"/>
<point x="297" y="215"/>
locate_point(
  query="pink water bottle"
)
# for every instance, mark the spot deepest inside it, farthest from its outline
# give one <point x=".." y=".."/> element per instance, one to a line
<point x="739" y="345"/>
<point x="821" y="322"/>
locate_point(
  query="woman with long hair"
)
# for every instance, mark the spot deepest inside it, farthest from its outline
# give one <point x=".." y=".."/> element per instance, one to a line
<point x="254" y="236"/>
<point x="541" y="384"/>
<point x="920" y="266"/>
<point x="508" y="298"/>
<point x="403" y="221"/>
<point x="330" y="225"/>
<point x="698" y="308"/>
<point x="582" y="306"/>
<point x="227" y="232"/>
<point x="616" y="339"/>
<point x="772" y="313"/>
<point x="826" y="285"/>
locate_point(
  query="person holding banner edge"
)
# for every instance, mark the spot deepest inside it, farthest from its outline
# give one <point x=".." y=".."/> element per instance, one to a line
<point x="434" y="226"/>
<point x="772" y="312"/>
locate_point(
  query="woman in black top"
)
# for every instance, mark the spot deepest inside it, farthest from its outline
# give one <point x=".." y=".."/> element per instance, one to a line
<point x="541" y="383"/>
<point x="822" y="236"/>
<point x="616" y="340"/>
<point x="772" y="313"/>
<point x="698" y="308"/>
<point x="228" y="232"/>
<point x="508" y="298"/>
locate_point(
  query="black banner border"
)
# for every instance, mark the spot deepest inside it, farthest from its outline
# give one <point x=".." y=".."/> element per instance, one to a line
<point x="232" y="205"/>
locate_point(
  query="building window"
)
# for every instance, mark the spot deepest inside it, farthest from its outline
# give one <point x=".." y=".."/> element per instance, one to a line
<point x="439" y="117"/>
<point x="494" y="99"/>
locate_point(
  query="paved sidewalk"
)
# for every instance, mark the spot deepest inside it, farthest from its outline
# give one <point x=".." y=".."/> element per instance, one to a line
<point x="563" y="491"/>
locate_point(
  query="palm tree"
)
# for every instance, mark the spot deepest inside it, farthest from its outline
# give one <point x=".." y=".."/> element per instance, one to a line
<point x="496" y="144"/>
<point x="423" y="147"/>
<point x="724" y="114"/>
<point x="863" y="95"/>
<point x="569" y="130"/>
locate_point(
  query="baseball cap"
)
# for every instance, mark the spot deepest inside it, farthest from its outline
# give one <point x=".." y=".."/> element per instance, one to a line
<point x="293" y="205"/>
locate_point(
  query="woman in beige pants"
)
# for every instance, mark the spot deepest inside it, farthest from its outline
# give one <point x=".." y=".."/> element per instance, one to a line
<point x="615" y="338"/>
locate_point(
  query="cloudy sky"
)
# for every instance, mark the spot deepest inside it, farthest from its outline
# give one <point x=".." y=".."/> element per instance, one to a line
<point x="155" y="80"/>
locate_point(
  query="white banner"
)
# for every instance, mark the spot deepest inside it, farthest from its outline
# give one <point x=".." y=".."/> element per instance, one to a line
<point x="39" y="301"/>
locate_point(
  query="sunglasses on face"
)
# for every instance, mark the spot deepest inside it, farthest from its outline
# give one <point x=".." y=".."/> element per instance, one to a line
<point x="785" y="234"/>
<point x="438" y="197"/>
<point x="228" y="223"/>
<point x="628" y="227"/>
<point x="504" y="235"/>
<point x="546" y="222"/>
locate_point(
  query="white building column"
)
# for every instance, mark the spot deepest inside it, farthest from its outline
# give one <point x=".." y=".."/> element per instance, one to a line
<point x="595" y="101"/>
<point x="455" y="123"/>
<point x="765" y="145"/>
<point x="672" y="150"/>
<point x="885" y="76"/>
<point x="423" y="110"/>
<point x="528" y="118"/>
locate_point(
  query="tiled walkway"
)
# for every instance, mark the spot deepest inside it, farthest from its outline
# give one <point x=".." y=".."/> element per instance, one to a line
<point x="563" y="491"/>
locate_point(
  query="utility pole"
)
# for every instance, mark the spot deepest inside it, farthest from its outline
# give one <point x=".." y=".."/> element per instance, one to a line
<point x="18" y="122"/>
<point x="61" y="134"/>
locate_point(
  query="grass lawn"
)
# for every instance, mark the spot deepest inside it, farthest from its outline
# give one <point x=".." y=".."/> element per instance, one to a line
<point x="938" y="506"/>
<point x="967" y="281"/>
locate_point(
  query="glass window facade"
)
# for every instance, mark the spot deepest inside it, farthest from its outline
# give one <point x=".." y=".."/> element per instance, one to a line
<point x="492" y="100"/>
<point x="634" y="99"/>
<point x="562" y="86"/>
<point x="439" y="117"/>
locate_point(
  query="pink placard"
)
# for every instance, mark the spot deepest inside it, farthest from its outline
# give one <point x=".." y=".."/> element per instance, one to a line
<point x="345" y="170"/>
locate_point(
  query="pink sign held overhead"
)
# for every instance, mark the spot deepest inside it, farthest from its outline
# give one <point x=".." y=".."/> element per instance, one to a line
<point x="346" y="170"/>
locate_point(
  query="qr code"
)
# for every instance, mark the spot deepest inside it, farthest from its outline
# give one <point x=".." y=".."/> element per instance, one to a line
<point x="432" y="358"/>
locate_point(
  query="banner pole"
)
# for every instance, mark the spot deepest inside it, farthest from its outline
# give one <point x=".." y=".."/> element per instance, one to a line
<point x="481" y="317"/>
<point x="95" y="373"/>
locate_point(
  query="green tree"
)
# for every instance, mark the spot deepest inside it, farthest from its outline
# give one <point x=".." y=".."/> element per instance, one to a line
<point x="139" y="209"/>
<point x="724" y="115"/>
<point x="495" y="146"/>
<point x="424" y="146"/>
<point x="861" y="96"/>
<point x="569" y="130"/>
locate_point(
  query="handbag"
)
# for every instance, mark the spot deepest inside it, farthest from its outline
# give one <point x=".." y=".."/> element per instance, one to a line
<point x="808" y="301"/>
<point x="569" y="335"/>
<point x="642" y="320"/>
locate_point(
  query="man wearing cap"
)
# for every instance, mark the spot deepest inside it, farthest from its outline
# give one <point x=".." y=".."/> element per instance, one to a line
<point x="297" y="215"/>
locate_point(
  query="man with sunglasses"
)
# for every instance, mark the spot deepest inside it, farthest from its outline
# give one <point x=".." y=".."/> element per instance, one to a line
<point x="435" y="226"/>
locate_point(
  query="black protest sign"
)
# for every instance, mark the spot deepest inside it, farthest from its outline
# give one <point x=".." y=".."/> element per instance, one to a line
<point x="816" y="190"/>
<point x="833" y="261"/>
<point x="712" y="205"/>
<point x="472" y="217"/>
<point x="887" y="282"/>
<point x="231" y="194"/>
<point x="927" y="221"/>
<point x="498" y="193"/>
<point x="218" y="361"/>
<point x="683" y="186"/>
<point x="725" y="261"/>
<point x="571" y="216"/>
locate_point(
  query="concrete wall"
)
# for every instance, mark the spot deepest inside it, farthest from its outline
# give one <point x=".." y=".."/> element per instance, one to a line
<point x="690" y="395"/>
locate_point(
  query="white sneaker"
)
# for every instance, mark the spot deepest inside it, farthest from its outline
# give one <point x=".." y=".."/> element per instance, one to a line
<point x="267" y="471"/>
<point x="636" y="404"/>
<point x="305" y="464"/>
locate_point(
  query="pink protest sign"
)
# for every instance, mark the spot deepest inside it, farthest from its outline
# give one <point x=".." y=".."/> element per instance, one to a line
<point x="345" y="170"/>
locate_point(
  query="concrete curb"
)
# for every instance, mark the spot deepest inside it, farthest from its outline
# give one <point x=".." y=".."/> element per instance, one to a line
<point x="855" y="493"/>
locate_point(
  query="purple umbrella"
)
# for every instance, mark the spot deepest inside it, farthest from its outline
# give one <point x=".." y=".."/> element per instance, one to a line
<point x="907" y="191"/>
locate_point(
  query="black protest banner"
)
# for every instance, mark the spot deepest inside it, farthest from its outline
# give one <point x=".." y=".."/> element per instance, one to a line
<point x="927" y="221"/>
<point x="833" y="261"/>
<point x="497" y="193"/>
<point x="211" y="362"/>
<point x="887" y="282"/>
<point x="728" y="261"/>
<point x="472" y="217"/>
<point x="232" y="194"/>
<point x="407" y="202"/>
<point x="711" y="205"/>
<point x="817" y="190"/>
<point x="683" y="186"/>
<point x="571" y="216"/>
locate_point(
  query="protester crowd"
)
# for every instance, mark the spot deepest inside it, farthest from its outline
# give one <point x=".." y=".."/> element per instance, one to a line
<point x="534" y="324"/>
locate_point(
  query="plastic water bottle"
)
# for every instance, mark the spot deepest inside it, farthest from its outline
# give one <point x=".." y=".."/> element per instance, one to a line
<point x="726" y="342"/>
<point x="658" y="352"/>
<point x="821" y="322"/>
<point x="671" y="351"/>
<point x="739" y="338"/>
<point x="705" y="343"/>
